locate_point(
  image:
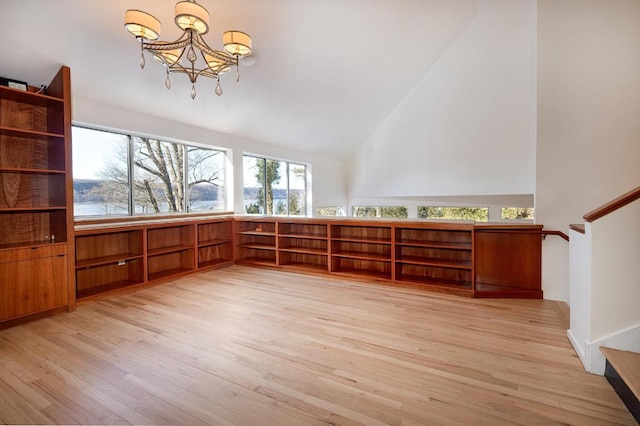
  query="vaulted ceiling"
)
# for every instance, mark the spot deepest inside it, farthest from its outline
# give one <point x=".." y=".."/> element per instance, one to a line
<point x="326" y="72"/>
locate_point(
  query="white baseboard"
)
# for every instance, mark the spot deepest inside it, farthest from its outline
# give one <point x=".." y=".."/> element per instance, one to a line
<point x="579" y="349"/>
<point x="625" y="340"/>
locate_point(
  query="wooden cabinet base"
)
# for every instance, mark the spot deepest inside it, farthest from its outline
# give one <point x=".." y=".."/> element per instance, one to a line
<point x="459" y="258"/>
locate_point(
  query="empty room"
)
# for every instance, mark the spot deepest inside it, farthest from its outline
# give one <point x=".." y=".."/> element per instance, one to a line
<point x="320" y="212"/>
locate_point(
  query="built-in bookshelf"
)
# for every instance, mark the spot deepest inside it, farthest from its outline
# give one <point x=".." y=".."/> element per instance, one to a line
<point x="256" y="242"/>
<point x="120" y="256"/>
<point x="36" y="202"/>
<point x="438" y="257"/>
<point x="461" y="258"/>
<point x="362" y="250"/>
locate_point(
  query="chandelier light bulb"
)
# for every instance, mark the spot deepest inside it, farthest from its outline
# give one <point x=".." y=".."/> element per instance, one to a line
<point x="201" y="60"/>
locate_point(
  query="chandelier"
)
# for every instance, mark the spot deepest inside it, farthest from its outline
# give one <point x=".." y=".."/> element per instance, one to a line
<point x="189" y="54"/>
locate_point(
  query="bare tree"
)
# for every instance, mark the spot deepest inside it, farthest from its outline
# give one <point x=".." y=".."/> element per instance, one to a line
<point x="159" y="176"/>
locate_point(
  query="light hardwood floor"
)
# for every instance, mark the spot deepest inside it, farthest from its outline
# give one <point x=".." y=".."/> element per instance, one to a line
<point x="246" y="346"/>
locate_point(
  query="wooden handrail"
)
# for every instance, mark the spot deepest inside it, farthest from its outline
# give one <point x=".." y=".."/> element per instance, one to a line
<point x="614" y="205"/>
<point x="560" y="234"/>
<point x="578" y="227"/>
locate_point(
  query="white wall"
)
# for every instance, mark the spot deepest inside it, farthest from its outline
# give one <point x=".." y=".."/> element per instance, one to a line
<point x="579" y="331"/>
<point x="588" y="147"/>
<point x="468" y="127"/>
<point x="615" y="266"/>
<point x="328" y="183"/>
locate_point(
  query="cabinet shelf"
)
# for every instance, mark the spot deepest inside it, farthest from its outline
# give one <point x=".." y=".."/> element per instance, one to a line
<point x="258" y="233"/>
<point x="31" y="209"/>
<point x="305" y="236"/>
<point x="369" y="240"/>
<point x="31" y="171"/>
<point x="305" y="267"/>
<point x="29" y="98"/>
<point x="360" y="273"/>
<point x="257" y="246"/>
<point x="212" y="243"/>
<point x="13" y="131"/>
<point x="214" y="262"/>
<point x="446" y="263"/>
<point x="362" y="256"/>
<point x="257" y="261"/>
<point x="168" y="250"/>
<point x="168" y="273"/>
<point x="105" y="260"/>
<point x="303" y="250"/>
<point x="435" y="244"/>
<point x="438" y="282"/>
<point x="30" y="244"/>
<point x="105" y="288"/>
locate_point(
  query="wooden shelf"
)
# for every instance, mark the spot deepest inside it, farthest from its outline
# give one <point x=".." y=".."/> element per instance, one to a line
<point x="445" y="263"/>
<point x="105" y="288"/>
<point x="30" y="98"/>
<point x="464" y="285"/>
<point x="362" y="256"/>
<point x="213" y="243"/>
<point x="360" y="273"/>
<point x="305" y="267"/>
<point x="259" y="233"/>
<point x="435" y="244"/>
<point x="371" y="240"/>
<point x="32" y="171"/>
<point x="30" y="209"/>
<point x="31" y="244"/>
<point x="214" y="262"/>
<point x="257" y="261"/>
<point x="12" y="131"/>
<point x="105" y="260"/>
<point x="168" y="273"/>
<point x="305" y="236"/>
<point x="304" y="250"/>
<point x="168" y="250"/>
<point x="258" y="246"/>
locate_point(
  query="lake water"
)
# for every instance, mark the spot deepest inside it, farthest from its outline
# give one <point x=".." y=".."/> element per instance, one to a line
<point x="102" y="209"/>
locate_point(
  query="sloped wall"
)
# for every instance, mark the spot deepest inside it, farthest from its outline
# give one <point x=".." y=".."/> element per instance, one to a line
<point x="468" y="127"/>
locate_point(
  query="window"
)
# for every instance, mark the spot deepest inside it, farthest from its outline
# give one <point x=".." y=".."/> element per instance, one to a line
<point x="517" y="213"/>
<point x="329" y="211"/>
<point x="274" y="187"/>
<point x="382" y="211"/>
<point x="479" y="214"/>
<point x="117" y="174"/>
<point x="100" y="173"/>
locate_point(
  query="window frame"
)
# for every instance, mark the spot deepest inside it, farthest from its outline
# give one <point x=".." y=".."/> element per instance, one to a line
<point x="288" y="164"/>
<point x="131" y="214"/>
<point x="486" y="208"/>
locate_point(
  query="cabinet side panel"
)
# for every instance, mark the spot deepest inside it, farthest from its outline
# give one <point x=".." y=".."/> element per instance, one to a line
<point x="508" y="259"/>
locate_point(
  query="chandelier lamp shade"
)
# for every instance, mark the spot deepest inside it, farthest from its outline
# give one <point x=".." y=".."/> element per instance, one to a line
<point x="189" y="54"/>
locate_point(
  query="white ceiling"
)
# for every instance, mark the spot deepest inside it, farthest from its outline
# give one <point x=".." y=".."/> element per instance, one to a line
<point x="327" y="72"/>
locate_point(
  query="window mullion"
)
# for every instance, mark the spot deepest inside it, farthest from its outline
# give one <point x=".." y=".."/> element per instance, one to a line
<point x="131" y="177"/>
<point x="185" y="178"/>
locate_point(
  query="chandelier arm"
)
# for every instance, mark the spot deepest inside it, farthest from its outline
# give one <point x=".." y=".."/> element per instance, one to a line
<point x="159" y="46"/>
<point x="199" y="42"/>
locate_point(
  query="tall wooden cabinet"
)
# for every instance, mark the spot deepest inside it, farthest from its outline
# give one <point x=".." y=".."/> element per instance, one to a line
<point x="36" y="200"/>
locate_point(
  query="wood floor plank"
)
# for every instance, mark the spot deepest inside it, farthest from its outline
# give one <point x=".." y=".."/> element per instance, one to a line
<point x="245" y="346"/>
